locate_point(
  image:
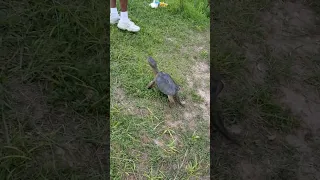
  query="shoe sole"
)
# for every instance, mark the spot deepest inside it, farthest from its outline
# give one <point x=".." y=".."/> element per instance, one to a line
<point x="127" y="29"/>
<point x="114" y="22"/>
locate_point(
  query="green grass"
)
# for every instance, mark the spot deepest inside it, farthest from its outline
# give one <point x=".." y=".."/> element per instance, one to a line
<point x="53" y="89"/>
<point x="143" y="145"/>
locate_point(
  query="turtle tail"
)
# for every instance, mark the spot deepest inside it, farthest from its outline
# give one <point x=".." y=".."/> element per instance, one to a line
<point x="153" y="65"/>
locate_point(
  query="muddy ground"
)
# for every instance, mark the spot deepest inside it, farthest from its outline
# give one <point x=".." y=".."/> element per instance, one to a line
<point x="287" y="62"/>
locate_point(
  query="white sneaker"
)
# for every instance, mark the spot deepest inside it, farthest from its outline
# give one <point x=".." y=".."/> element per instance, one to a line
<point x="128" y="25"/>
<point x="114" y="18"/>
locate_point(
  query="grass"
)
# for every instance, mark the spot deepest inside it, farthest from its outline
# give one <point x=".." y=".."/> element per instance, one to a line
<point x="252" y="105"/>
<point x="54" y="92"/>
<point x="233" y="32"/>
<point x="53" y="89"/>
<point x="143" y="145"/>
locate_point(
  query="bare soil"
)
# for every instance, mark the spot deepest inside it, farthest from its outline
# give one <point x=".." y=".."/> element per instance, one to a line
<point x="293" y="41"/>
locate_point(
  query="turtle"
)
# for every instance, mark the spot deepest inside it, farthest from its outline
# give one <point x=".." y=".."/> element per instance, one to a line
<point x="165" y="83"/>
<point x="216" y="86"/>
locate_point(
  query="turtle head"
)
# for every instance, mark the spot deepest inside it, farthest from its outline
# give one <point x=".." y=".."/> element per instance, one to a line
<point x="153" y="65"/>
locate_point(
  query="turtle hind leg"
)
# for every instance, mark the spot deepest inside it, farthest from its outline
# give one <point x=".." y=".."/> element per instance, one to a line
<point x="151" y="84"/>
<point x="171" y="100"/>
<point x="177" y="99"/>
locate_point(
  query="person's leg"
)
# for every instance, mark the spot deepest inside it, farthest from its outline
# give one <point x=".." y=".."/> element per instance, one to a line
<point x="113" y="4"/>
<point x="124" y="5"/>
<point x="114" y="15"/>
<point x="124" y="10"/>
<point x="125" y="23"/>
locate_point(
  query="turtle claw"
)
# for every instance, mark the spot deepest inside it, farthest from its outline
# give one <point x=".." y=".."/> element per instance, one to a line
<point x="151" y="84"/>
<point x="177" y="99"/>
<point x="171" y="100"/>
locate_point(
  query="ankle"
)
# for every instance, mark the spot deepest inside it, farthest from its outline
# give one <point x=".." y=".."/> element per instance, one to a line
<point x="113" y="11"/>
<point x="124" y="16"/>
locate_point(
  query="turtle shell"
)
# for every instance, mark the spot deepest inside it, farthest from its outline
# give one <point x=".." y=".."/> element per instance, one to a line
<point x="166" y="84"/>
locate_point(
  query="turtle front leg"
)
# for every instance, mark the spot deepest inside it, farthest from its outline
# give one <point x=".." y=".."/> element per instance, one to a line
<point x="171" y="100"/>
<point x="151" y="84"/>
<point x="177" y="99"/>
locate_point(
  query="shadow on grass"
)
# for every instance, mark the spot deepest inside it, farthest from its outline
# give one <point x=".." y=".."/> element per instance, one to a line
<point x="54" y="86"/>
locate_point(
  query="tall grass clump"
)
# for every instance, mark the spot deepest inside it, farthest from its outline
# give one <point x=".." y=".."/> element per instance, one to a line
<point x="194" y="10"/>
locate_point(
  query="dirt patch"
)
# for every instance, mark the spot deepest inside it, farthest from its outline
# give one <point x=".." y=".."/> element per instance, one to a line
<point x="294" y="31"/>
<point x="292" y="27"/>
<point x="235" y="129"/>
<point x="158" y="142"/>
<point x="200" y="80"/>
<point x="129" y="105"/>
<point x="170" y="122"/>
<point x="287" y="57"/>
<point x="257" y="67"/>
<point x="306" y="106"/>
<point x="294" y="37"/>
<point x="145" y="139"/>
<point x="250" y="171"/>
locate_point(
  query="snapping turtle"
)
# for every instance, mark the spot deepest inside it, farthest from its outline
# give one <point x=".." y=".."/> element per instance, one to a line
<point x="164" y="83"/>
<point x="216" y="86"/>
